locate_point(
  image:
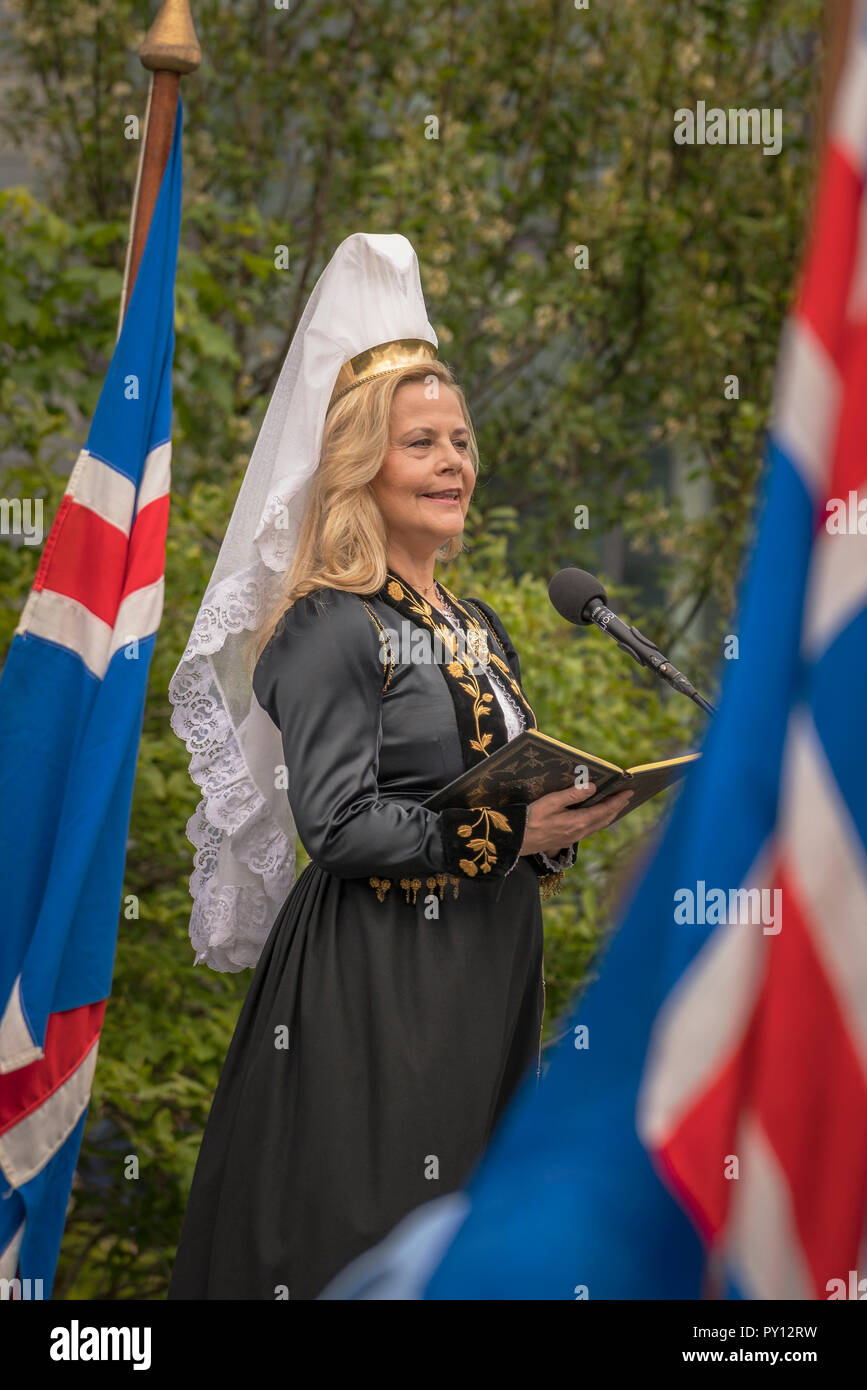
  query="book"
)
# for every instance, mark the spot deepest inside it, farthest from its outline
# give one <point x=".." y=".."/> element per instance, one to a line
<point x="533" y="763"/>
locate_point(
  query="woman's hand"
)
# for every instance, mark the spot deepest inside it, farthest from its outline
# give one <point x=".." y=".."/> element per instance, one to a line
<point x="550" y="826"/>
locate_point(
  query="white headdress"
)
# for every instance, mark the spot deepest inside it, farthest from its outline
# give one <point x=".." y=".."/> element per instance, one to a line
<point x="364" y="307"/>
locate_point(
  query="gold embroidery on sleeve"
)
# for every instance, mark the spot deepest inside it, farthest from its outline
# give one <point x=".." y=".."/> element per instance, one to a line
<point x="484" y="846"/>
<point x="385" y="644"/>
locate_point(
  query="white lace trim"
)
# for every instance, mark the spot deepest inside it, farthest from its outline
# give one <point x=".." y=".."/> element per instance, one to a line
<point x="230" y="921"/>
<point x="234" y="606"/>
<point x="565" y="860"/>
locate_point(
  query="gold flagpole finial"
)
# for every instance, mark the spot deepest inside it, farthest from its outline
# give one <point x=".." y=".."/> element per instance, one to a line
<point x="170" y="45"/>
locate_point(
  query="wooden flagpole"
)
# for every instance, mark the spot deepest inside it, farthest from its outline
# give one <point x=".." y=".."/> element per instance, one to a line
<point x="170" y="49"/>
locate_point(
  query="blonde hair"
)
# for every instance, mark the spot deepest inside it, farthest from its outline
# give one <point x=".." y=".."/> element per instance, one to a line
<point x="342" y="542"/>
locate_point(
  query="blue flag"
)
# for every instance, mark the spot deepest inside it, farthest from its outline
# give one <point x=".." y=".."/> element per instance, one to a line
<point x="71" y="704"/>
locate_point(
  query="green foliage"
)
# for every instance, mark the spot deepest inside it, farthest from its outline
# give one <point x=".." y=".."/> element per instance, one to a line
<point x="302" y="126"/>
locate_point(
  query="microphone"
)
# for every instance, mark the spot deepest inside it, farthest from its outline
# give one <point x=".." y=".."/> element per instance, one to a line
<point x="580" y="598"/>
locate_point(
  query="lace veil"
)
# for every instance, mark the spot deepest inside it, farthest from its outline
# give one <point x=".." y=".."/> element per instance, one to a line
<point x="242" y="830"/>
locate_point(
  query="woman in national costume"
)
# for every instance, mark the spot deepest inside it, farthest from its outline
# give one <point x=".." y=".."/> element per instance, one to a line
<point x="398" y="993"/>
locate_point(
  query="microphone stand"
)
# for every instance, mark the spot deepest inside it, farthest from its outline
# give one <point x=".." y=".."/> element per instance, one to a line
<point x="642" y="650"/>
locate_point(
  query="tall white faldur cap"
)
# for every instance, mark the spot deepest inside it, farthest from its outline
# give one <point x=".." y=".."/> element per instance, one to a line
<point x="368" y="297"/>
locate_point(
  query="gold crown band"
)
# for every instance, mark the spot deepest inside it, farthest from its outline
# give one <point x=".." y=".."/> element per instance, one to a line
<point x="381" y="360"/>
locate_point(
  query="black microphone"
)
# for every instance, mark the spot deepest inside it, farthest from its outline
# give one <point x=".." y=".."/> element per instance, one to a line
<point x="580" y="598"/>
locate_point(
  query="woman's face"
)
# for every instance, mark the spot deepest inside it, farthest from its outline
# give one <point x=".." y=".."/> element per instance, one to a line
<point x="427" y="477"/>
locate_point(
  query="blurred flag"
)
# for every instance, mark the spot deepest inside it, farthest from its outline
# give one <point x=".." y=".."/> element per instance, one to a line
<point x="702" y="1129"/>
<point x="71" y="705"/>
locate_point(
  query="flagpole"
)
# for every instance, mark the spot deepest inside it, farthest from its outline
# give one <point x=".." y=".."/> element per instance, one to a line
<point x="170" y="48"/>
<point x="837" y="19"/>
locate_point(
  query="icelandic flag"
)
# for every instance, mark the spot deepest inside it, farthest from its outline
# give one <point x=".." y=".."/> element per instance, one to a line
<point x="71" y="705"/>
<point x="702" y="1128"/>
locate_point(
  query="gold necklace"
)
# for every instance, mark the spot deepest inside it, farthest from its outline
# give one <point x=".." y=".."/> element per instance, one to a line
<point x="428" y="588"/>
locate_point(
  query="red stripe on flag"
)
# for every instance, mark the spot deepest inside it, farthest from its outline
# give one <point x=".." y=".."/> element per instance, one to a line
<point x="811" y="1122"/>
<point x="849" y="470"/>
<point x="69" y="1037"/>
<point x="694" y="1157"/>
<point x="88" y="562"/>
<point x="51" y="541"/>
<point x="827" y="277"/>
<point x="147" y="545"/>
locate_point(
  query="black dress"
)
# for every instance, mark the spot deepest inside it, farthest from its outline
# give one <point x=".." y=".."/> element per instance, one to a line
<point x="386" y="1026"/>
